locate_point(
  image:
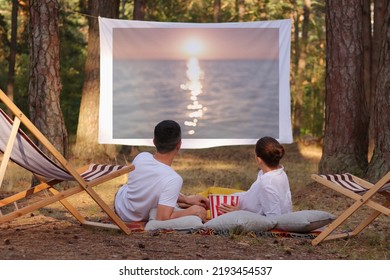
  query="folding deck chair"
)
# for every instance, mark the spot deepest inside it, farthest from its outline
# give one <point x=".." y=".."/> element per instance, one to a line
<point x="18" y="147"/>
<point x="363" y="193"/>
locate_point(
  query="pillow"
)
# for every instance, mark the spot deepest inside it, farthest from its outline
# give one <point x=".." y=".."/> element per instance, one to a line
<point x="303" y="221"/>
<point x="182" y="223"/>
<point x="241" y="220"/>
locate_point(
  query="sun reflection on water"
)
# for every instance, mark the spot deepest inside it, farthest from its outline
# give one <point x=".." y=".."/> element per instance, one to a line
<point x="195" y="88"/>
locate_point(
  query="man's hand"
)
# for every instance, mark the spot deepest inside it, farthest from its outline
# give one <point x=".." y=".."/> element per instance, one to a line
<point x="198" y="211"/>
<point x="187" y="201"/>
<point x="198" y="200"/>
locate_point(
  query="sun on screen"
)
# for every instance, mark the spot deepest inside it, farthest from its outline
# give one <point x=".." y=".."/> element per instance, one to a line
<point x="193" y="47"/>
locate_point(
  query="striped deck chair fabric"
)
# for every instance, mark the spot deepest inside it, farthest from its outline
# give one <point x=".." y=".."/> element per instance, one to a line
<point x="364" y="194"/>
<point x="17" y="146"/>
<point x="26" y="154"/>
<point x="347" y="181"/>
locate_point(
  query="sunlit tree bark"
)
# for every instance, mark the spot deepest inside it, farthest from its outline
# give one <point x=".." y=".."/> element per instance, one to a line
<point x="12" y="54"/>
<point x="240" y="6"/>
<point x="301" y="46"/>
<point x="87" y="130"/>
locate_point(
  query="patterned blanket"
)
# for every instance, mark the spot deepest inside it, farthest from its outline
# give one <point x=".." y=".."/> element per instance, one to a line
<point x="140" y="227"/>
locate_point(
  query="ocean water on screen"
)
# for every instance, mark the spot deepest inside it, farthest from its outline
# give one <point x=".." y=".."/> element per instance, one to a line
<point x="210" y="99"/>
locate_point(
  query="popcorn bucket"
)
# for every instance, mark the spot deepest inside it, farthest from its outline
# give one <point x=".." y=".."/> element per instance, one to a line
<point x="217" y="199"/>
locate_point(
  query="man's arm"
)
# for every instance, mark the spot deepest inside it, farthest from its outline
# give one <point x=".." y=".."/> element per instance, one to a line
<point x="166" y="212"/>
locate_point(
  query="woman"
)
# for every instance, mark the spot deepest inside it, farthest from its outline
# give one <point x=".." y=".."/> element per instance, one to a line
<point x="270" y="194"/>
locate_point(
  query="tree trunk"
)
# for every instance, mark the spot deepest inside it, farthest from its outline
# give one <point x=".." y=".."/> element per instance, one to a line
<point x="87" y="145"/>
<point x="367" y="42"/>
<point x="301" y="65"/>
<point x="376" y="44"/>
<point x="367" y="49"/>
<point x="380" y="163"/>
<point x="346" y="118"/>
<point x="123" y="8"/>
<point x="262" y="10"/>
<point x="45" y="81"/>
<point x="379" y="14"/>
<point x="240" y="4"/>
<point x="139" y="9"/>
<point x="12" y="54"/>
<point x="217" y="10"/>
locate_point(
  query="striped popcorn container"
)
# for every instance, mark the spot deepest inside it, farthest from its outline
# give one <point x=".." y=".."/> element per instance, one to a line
<point x="218" y="199"/>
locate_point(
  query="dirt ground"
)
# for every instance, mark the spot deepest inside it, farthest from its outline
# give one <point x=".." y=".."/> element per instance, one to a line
<point x="42" y="237"/>
<point x="45" y="238"/>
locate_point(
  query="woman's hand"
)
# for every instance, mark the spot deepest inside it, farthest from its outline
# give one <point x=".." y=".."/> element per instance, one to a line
<point x="226" y="208"/>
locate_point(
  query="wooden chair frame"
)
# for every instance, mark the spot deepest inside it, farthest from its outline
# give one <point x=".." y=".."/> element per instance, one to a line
<point x="364" y="198"/>
<point x="83" y="185"/>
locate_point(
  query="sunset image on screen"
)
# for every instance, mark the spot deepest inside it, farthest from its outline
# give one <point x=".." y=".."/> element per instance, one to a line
<point x="216" y="82"/>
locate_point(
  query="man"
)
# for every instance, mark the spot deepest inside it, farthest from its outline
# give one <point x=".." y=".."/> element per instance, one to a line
<point x="154" y="184"/>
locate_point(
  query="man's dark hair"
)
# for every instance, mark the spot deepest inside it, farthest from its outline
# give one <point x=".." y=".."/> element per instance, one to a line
<point x="167" y="134"/>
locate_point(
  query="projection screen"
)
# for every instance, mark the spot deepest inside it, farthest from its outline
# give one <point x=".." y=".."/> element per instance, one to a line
<point x="224" y="83"/>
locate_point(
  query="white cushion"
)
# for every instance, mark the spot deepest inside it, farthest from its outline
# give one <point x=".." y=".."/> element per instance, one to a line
<point x="303" y="221"/>
<point x="182" y="223"/>
<point x="242" y="220"/>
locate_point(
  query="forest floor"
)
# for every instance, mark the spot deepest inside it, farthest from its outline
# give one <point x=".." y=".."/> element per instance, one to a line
<point x="52" y="234"/>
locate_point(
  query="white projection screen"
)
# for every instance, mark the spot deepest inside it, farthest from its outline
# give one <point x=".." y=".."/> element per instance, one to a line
<point x="224" y="83"/>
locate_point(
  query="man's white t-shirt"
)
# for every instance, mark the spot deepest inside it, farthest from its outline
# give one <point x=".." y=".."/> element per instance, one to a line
<point x="269" y="195"/>
<point x="150" y="184"/>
